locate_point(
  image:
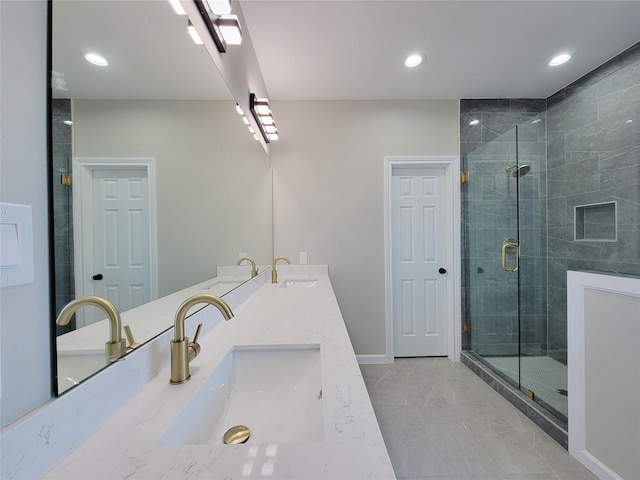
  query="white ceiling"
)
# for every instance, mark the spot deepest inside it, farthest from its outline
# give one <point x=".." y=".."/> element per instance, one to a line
<point x="150" y="53"/>
<point x="345" y="49"/>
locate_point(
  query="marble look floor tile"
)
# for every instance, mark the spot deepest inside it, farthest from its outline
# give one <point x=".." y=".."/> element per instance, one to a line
<point x="441" y="421"/>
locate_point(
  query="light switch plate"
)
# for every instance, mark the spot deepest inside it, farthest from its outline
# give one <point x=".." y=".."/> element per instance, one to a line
<point x="16" y="245"/>
<point x="303" y="258"/>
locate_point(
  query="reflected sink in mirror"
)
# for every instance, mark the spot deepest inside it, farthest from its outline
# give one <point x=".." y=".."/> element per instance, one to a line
<point x="75" y="366"/>
<point x="299" y="283"/>
<point x="223" y="287"/>
<point x="276" y="391"/>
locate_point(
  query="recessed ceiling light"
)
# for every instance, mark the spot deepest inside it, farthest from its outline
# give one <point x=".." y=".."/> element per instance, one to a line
<point x="96" y="59"/>
<point x="559" y="59"/>
<point x="474" y="122"/>
<point x="629" y="121"/>
<point x="414" y="60"/>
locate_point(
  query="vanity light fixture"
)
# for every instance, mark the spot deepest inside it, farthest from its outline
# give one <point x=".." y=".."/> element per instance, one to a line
<point x="559" y="59"/>
<point x="219" y="7"/>
<point x="194" y="34"/>
<point x="96" y="59"/>
<point x="262" y="113"/>
<point x="230" y="28"/>
<point x="223" y="27"/>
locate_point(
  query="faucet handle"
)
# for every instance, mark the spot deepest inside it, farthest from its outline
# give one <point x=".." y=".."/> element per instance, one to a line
<point x="132" y="343"/>
<point x="197" y="334"/>
<point x="194" y="346"/>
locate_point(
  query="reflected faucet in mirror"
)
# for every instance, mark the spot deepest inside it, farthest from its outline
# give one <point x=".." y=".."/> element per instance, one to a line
<point x="132" y="343"/>
<point x="274" y="273"/>
<point x="254" y="270"/>
<point x="116" y="347"/>
<point x="183" y="352"/>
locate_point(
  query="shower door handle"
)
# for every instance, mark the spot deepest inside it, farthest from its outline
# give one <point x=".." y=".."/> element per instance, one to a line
<point x="510" y="246"/>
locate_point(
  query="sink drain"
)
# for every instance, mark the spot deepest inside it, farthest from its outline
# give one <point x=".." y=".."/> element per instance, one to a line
<point x="236" y="435"/>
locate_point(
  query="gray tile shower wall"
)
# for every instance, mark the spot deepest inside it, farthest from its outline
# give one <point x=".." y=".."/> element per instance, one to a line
<point x="593" y="152"/>
<point x="62" y="205"/>
<point x="496" y="116"/>
<point x="488" y="210"/>
<point x="593" y="156"/>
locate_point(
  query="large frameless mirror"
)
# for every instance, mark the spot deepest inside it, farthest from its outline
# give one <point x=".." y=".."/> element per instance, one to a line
<point x="156" y="181"/>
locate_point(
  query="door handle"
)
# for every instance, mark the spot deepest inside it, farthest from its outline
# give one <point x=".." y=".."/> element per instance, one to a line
<point x="98" y="277"/>
<point x="442" y="270"/>
<point x="513" y="247"/>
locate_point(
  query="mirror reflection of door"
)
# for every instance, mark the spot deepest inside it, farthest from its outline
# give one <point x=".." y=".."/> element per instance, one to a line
<point x="114" y="223"/>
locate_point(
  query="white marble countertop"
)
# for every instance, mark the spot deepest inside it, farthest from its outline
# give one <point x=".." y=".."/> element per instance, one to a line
<point x="126" y="445"/>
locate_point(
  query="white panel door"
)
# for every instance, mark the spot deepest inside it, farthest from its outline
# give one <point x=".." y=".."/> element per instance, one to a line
<point x="418" y="240"/>
<point x="121" y="254"/>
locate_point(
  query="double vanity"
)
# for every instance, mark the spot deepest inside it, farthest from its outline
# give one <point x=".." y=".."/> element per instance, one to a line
<point x="283" y="367"/>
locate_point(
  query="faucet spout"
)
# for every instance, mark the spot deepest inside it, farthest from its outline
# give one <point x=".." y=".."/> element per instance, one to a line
<point x="274" y="273"/>
<point x="254" y="270"/>
<point x="182" y="352"/>
<point x="116" y="346"/>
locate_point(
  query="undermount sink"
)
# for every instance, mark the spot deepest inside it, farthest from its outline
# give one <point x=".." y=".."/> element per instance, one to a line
<point x="75" y="366"/>
<point x="276" y="391"/>
<point x="299" y="283"/>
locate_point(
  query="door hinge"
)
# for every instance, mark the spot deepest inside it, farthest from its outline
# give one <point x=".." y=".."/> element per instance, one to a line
<point x="65" y="179"/>
<point x="464" y="177"/>
<point x="466" y="328"/>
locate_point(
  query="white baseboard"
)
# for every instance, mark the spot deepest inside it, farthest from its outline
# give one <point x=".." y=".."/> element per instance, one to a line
<point x="373" y="359"/>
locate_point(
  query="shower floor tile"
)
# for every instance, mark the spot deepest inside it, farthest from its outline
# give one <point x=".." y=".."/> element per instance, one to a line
<point x="543" y="375"/>
<point x="441" y="421"/>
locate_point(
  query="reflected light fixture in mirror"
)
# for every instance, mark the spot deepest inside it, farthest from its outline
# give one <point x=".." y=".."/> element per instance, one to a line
<point x="223" y="27"/>
<point x="245" y="120"/>
<point x="175" y="4"/>
<point x="194" y="34"/>
<point x="262" y="113"/>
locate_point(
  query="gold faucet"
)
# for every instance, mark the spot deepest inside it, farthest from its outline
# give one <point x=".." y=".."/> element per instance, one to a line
<point x="132" y="342"/>
<point x="183" y="352"/>
<point x="274" y="273"/>
<point x="116" y="347"/>
<point x="254" y="270"/>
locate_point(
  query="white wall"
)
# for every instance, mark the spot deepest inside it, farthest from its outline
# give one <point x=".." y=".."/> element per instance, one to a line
<point x="24" y="310"/>
<point x="213" y="179"/>
<point x="329" y="191"/>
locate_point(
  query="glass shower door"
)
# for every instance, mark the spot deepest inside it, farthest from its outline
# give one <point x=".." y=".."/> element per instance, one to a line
<point x="506" y="237"/>
<point x="492" y="239"/>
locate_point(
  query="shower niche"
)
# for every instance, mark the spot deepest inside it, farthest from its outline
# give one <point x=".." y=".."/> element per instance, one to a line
<point x="596" y="222"/>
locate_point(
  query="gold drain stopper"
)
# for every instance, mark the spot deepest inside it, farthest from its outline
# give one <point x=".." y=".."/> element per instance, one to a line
<point x="236" y="435"/>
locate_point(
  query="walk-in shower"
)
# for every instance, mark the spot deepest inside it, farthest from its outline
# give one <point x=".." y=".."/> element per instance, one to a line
<point x="505" y="210"/>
